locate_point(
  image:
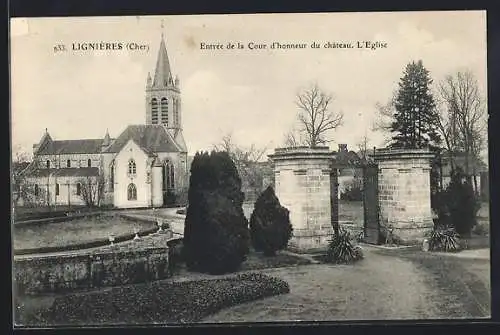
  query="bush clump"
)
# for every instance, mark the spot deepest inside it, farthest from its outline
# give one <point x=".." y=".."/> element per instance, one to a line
<point x="216" y="235"/>
<point x="167" y="302"/>
<point x="270" y="227"/>
<point x="444" y="238"/>
<point x="458" y="205"/>
<point x="341" y="250"/>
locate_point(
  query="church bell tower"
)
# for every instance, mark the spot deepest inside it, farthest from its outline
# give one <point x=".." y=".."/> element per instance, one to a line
<point x="163" y="101"/>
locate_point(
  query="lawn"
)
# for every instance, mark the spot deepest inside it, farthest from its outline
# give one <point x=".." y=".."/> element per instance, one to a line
<point x="74" y="231"/>
<point x="257" y="261"/>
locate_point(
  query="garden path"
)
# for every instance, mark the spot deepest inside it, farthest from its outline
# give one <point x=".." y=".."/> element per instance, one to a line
<point x="380" y="287"/>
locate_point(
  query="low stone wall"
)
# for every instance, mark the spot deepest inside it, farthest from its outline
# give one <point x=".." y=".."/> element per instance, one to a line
<point x="107" y="267"/>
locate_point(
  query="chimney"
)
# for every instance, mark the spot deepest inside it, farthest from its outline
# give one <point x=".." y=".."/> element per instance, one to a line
<point x="342" y="147"/>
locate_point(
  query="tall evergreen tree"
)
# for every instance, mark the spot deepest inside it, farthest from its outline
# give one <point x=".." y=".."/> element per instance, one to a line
<point x="415" y="120"/>
<point x="216" y="235"/>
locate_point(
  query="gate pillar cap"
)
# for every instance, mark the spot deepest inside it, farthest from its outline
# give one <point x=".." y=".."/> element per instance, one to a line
<point x="301" y="153"/>
<point x="397" y="154"/>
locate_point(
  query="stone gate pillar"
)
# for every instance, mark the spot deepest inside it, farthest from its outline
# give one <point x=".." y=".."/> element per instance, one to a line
<point x="404" y="192"/>
<point x="302" y="183"/>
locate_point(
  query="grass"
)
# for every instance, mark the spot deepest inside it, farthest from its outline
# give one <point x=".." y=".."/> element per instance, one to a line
<point x="73" y="231"/>
<point x="257" y="261"/>
<point x="152" y="303"/>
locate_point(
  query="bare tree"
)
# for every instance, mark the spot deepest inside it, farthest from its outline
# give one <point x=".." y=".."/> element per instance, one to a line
<point x="384" y="118"/>
<point x="315" y="117"/>
<point x="463" y="120"/>
<point x="363" y="147"/>
<point x="248" y="161"/>
<point x="22" y="187"/>
<point x="92" y="190"/>
<point x="292" y="139"/>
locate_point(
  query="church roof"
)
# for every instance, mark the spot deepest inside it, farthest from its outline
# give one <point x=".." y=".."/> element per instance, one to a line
<point x="162" y="71"/>
<point x="179" y="139"/>
<point x="151" y="138"/>
<point x="86" y="146"/>
<point x="65" y="172"/>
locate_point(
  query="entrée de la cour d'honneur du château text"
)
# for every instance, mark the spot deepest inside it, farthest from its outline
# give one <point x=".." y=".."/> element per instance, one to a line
<point x="279" y="45"/>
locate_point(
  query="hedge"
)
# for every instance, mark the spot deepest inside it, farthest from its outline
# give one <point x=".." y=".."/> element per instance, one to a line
<point x="160" y="302"/>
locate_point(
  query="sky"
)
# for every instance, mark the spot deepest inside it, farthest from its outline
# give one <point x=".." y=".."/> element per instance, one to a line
<point x="248" y="93"/>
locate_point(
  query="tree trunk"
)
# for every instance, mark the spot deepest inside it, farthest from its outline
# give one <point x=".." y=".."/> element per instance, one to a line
<point x="476" y="191"/>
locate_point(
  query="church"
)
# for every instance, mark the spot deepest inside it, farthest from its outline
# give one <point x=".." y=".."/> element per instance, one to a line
<point x="145" y="166"/>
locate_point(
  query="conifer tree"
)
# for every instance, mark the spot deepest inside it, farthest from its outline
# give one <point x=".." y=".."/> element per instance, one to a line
<point x="270" y="227"/>
<point x="415" y="120"/>
<point x="216" y="236"/>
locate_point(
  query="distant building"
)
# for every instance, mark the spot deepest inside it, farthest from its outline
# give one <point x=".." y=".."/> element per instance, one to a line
<point x="476" y="168"/>
<point x="350" y="174"/>
<point x="145" y="166"/>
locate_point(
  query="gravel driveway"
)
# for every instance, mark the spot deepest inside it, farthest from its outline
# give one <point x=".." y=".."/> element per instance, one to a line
<point x="380" y="287"/>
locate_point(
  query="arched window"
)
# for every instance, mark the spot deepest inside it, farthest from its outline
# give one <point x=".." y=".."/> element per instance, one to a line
<point x="154" y="111"/>
<point x="57" y="189"/>
<point x="164" y="111"/>
<point x="48" y="164"/>
<point x="169" y="176"/>
<point x="172" y="179"/>
<point x="68" y="163"/>
<point x="131" y="167"/>
<point x="131" y="192"/>
<point x="89" y="163"/>
<point x="78" y="189"/>
<point x="112" y="178"/>
<point x="37" y="190"/>
<point x="176" y="112"/>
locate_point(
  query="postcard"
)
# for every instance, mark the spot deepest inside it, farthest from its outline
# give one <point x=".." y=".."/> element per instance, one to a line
<point x="188" y="169"/>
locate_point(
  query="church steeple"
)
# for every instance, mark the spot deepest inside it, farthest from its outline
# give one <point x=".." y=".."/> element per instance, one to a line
<point x="162" y="70"/>
<point x="107" y="140"/>
<point x="163" y="100"/>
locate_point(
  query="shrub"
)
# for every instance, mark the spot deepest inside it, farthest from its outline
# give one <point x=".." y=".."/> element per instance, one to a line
<point x="270" y="227"/>
<point x="216" y="236"/>
<point x="163" y="302"/>
<point x="444" y="239"/>
<point x="459" y="205"/>
<point x="341" y="250"/>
